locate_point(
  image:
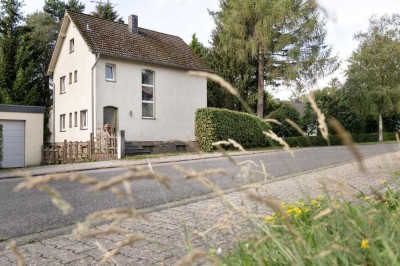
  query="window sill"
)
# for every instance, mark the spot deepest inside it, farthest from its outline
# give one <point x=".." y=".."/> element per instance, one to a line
<point x="111" y="80"/>
<point x="149" y="118"/>
<point x="84" y="128"/>
<point x="63" y="130"/>
<point x="62" y="92"/>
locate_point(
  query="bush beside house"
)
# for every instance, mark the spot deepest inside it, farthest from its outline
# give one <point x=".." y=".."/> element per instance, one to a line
<point x="214" y="124"/>
<point x="311" y="141"/>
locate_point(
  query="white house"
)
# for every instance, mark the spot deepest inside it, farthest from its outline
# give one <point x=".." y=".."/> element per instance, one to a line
<point x="134" y="79"/>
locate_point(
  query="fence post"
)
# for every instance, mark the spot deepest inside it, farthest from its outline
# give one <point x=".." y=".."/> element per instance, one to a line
<point x="121" y="144"/>
<point x="90" y="148"/>
<point x="65" y="150"/>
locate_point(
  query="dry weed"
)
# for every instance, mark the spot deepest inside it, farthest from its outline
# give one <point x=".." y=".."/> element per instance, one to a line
<point x="281" y="141"/>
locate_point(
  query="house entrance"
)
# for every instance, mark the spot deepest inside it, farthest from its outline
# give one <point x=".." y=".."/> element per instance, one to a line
<point x="110" y="116"/>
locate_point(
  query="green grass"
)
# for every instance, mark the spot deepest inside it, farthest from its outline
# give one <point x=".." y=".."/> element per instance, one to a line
<point x="327" y="232"/>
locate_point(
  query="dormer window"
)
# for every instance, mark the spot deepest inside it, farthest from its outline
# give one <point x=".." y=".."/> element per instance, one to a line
<point x="71" y="46"/>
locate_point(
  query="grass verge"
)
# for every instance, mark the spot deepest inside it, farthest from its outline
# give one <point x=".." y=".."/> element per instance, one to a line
<point x="322" y="231"/>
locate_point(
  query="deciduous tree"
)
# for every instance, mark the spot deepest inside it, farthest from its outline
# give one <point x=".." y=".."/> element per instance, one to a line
<point x="373" y="74"/>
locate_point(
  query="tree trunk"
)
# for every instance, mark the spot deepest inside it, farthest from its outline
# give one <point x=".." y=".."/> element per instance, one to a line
<point x="380" y="128"/>
<point x="260" y="89"/>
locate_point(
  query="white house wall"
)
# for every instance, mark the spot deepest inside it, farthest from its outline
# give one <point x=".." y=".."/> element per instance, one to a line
<point x="177" y="97"/>
<point x="77" y="96"/>
<point x="33" y="134"/>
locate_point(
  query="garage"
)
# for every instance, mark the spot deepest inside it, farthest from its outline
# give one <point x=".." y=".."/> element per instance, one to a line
<point x="22" y="135"/>
<point x="13" y="143"/>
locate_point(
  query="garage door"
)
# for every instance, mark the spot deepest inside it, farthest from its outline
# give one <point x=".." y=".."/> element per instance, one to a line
<point x="13" y="143"/>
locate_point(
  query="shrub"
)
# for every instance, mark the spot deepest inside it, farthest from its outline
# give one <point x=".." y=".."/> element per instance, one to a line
<point x="335" y="140"/>
<point x="285" y="111"/>
<point x="213" y="124"/>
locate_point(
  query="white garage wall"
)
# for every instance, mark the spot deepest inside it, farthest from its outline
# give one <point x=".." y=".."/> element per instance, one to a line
<point x="33" y="134"/>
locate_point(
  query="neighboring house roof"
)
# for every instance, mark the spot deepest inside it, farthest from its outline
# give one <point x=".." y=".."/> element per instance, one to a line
<point x="22" y="109"/>
<point x="111" y="38"/>
<point x="298" y="105"/>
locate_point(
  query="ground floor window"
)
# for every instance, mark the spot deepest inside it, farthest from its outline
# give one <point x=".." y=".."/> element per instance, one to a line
<point x="62" y="122"/>
<point x="84" y="119"/>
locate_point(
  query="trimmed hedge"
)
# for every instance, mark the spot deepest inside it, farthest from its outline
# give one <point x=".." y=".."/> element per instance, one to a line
<point x="215" y="124"/>
<point x="311" y="141"/>
<point x="1" y="144"/>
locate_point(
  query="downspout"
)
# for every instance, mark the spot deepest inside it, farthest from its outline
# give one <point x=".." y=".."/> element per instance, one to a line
<point x="95" y="63"/>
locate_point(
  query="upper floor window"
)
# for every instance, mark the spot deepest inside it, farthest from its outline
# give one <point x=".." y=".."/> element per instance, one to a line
<point x="110" y="72"/>
<point x="75" y="76"/>
<point x="71" y="46"/>
<point x="84" y="119"/>
<point x="147" y="94"/>
<point x="62" y="84"/>
<point x="70" y="77"/>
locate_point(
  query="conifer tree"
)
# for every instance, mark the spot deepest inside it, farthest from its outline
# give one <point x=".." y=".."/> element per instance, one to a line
<point x="284" y="37"/>
<point x="105" y="10"/>
<point x="10" y="17"/>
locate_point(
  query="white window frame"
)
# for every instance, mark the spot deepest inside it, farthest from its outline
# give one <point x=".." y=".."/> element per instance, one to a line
<point x="84" y="122"/>
<point x="71" y="46"/>
<point x="75" y="76"/>
<point x="62" y="85"/>
<point x="113" y="68"/>
<point x="149" y="86"/>
<point x="62" y="123"/>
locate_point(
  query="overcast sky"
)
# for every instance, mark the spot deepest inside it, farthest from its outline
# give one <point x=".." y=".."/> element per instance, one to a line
<point x="185" y="17"/>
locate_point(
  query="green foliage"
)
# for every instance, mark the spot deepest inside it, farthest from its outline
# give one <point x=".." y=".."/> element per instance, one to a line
<point x="56" y="8"/>
<point x="10" y="18"/>
<point x="334" y="103"/>
<point x="346" y="233"/>
<point x="315" y="141"/>
<point x="105" y="10"/>
<point x="197" y="47"/>
<point x="1" y="143"/>
<point x="373" y="80"/>
<point x="281" y="39"/>
<point x="285" y="111"/>
<point x="213" y="124"/>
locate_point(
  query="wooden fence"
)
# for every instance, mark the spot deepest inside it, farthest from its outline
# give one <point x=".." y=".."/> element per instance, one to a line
<point x="101" y="147"/>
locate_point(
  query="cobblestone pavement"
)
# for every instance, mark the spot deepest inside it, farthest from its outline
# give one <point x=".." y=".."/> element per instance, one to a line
<point x="206" y="224"/>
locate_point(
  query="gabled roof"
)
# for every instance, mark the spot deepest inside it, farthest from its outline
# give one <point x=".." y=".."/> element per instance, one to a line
<point x="111" y="38"/>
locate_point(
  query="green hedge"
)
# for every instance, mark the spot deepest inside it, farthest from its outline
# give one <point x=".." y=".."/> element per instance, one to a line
<point x="335" y="140"/>
<point x="214" y="124"/>
<point x="1" y="144"/>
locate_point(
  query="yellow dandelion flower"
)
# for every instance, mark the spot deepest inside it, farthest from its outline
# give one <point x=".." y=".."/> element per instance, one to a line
<point x="289" y="211"/>
<point x="306" y="210"/>
<point x="314" y="202"/>
<point x="297" y="211"/>
<point x="268" y="219"/>
<point x="367" y="198"/>
<point x="364" y="244"/>
<point x="320" y="197"/>
<point x="384" y="182"/>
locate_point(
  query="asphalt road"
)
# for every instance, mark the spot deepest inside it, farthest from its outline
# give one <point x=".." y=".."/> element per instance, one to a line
<point x="30" y="212"/>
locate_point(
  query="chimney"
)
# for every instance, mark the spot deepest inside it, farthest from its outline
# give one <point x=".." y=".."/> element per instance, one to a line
<point x="133" y="24"/>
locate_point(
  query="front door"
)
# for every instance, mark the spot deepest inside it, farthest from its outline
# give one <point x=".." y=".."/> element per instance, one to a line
<point x="111" y="117"/>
